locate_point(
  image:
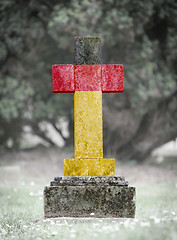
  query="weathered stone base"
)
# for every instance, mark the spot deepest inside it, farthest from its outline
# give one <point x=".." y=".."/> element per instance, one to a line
<point x="89" y="197"/>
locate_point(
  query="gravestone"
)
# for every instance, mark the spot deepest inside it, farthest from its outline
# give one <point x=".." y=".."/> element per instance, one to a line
<point x="89" y="187"/>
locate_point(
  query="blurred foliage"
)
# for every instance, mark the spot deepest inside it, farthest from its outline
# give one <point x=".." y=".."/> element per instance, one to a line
<point x="36" y="34"/>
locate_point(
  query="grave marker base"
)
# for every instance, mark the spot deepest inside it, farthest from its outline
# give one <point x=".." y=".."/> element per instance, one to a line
<point x="105" y="197"/>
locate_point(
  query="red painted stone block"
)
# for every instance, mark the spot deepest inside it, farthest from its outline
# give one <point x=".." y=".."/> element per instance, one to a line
<point x="63" y="78"/>
<point x="88" y="78"/>
<point x="112" y="78"/>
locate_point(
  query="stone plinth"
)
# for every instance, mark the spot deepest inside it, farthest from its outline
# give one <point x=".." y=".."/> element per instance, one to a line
<point x="89" y="197"/>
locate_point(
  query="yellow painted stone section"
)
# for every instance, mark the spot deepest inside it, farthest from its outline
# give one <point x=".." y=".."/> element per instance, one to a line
<point x="89" y="167"/>
<point x="88" y="128"/>
<point x="88" y="137"/>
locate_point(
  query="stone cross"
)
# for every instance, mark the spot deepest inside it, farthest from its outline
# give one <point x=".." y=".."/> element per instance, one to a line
<point x="88" y="187"/>
<point x="87" y="79"/>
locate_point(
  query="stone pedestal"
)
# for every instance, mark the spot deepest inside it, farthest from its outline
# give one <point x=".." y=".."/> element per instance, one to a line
<point x="103" y="197"/>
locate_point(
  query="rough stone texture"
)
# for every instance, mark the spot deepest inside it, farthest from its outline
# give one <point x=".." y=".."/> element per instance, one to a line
<point x="88" y="77"/>
<point x="89" y="197"/>
<point x="103" y="77"/>
<point x="88" y="129"/>
<point x="112" y="78"/>
<point x="89" y="166"/>
<point x="87" y="181"/>
<point x="87" y="50"/>
<point x="63" y="78"/>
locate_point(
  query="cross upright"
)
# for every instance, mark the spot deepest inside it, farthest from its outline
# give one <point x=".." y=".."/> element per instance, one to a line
<point x="87" y="79"/>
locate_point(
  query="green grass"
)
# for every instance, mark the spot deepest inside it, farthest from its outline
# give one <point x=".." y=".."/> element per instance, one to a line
<point x="21" y="216"/>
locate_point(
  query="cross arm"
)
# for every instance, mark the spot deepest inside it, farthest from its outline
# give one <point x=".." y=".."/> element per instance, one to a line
<point x="102" y="77"/>
<point x="112" y="78"/>
<point x="63" y="78"/>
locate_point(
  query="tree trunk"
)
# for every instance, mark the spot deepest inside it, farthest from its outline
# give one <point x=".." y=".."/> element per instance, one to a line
<point x="156" y="127"/>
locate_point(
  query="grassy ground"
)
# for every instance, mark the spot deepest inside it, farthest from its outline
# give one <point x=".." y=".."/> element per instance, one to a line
<point x="21" y="207"/>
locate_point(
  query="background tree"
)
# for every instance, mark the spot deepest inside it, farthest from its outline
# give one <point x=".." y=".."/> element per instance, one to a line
<point x="141" y="35"/>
